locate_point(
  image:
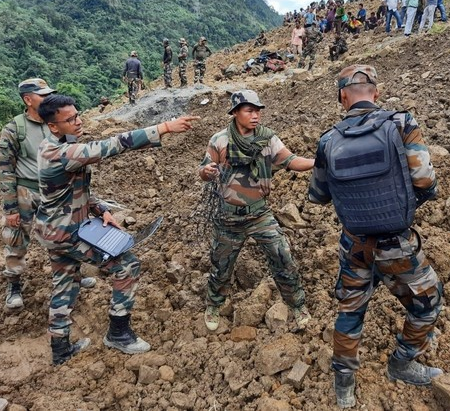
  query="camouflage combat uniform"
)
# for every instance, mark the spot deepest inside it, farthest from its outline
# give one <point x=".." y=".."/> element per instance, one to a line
<point x="244" y="214"/>
<point x="199" y="53"/>
<point x="339" y="47"/>
<point x="132" y="71"/>
<point x="66" y="200"/>
<point x="20" y="190"/>
<point x="313" y="38"/>
<point x="167" y="61"/>
<point x="182" y="62"/>
<point x="395" y="259"/>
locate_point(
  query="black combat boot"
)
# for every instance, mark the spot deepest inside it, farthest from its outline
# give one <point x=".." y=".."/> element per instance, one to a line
<point x="122" y="337"/>
<point x="344" y="385"/>
<point x="63" y="350"/>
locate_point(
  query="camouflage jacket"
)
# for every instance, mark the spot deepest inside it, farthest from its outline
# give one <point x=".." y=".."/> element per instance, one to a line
<point x="421" y="170"/>
<point x="13" y="165"/>
<point x="183" y="54"/>
<point x="64" y="178"/>
<point x="238" y="187"/>
<point x="313" y="36"/>
<point x="200" y="52"/>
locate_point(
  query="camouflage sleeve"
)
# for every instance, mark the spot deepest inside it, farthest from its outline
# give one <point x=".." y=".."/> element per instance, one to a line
<point x="417" y="154"/>
<point x="319" y="191"/>
<point x="75" y="156"/>
<point x="9" y="151"/>
<point x="96" y="206"/>
<point x="281" y="156"/>
<point x="212" y="156"/>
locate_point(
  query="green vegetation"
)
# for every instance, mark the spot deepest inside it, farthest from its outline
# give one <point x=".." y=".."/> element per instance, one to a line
<point x="80" y="46"/>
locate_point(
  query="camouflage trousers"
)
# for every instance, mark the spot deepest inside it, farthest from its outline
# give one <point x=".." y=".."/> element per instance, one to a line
<point x="228" y="239"/>
<point x="16" y="240"/>
<point x="309" y="50"/>
<point x="168" y="74"/>
<point x="199" y="71"/>
<point x="182" y="73"/>
<point x="398" y="261"/>
<point x="124" y="271"/>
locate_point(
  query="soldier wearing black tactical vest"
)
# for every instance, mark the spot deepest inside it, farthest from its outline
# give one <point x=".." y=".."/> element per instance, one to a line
<point x="375" y="168"/>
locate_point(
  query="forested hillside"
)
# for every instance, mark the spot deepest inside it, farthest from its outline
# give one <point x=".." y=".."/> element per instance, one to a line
<point x="80" y="46"/>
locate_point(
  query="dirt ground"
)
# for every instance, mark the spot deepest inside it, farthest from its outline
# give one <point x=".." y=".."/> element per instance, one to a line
<point x="235" y="367"/>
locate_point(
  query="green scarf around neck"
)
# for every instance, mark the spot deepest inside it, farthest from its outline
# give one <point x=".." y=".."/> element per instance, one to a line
<point x="244" y="151"/>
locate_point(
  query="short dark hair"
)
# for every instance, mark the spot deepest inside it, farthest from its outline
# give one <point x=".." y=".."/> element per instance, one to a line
<point x="51" y="105"/>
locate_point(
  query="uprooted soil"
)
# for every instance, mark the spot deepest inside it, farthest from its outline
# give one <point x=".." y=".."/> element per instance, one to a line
<point x="188" y="367"/>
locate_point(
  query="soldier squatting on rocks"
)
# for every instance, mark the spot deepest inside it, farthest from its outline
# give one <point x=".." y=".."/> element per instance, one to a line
<point x="375" y="168"/>
<point x="66" y="200"/>
<point x="19" y="144"/>
<point x="240" y="158"/>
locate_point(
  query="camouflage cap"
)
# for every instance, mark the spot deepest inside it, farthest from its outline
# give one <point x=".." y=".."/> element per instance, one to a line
<point x="182" y="40"/>
<point x="36" y="86"/>
<point x="346" y="76"/>
<point x="202" y="39"/>
<point x="244" y="97"/>
<point x="133" y="53"/>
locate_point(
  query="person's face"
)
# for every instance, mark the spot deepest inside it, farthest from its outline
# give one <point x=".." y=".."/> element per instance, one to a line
<point x="66" y="121"/>
<point x="32" y="100"/>
<point x="247" y="117"/>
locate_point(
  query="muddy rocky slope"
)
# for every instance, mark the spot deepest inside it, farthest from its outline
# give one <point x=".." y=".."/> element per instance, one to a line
<point x="255" y="360"/>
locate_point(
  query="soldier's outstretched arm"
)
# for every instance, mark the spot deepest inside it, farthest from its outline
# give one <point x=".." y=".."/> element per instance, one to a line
<point x="178" y="125"/>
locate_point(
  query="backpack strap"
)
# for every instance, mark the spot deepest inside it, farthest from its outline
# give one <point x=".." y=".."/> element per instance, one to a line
<point x="21" y="133"/>
<point x="358" y="126"/>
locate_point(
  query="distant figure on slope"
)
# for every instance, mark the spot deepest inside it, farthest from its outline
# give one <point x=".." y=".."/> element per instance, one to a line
<point x="338" y="47"/>
<point x="313" y="38"/>
<point x="182" y="62"/>
<point x="298" y="33"/>
<point x="133" y="75"/>
<point x="167" y="62"/>
<point x="200" y="52"/>
<point x="261" y="40"/>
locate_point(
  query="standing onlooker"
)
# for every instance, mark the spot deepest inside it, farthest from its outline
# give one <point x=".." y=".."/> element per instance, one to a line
<point x="338" y="16"/>
<point x="411" y="11"/>
<point x="441" y="8"/>
<point x="381" y="11"/>
<point x="428" y="14"/>
<point x="133" y="75"/>
<point x="392" y="11"/>
<point x="167" y="62"/>
<point x="200" y="52"/>
<point x="403" y="12"/>
<point x="375" y="168"/>
<point x="182" y="62"/>
<point x="297" y="38"/>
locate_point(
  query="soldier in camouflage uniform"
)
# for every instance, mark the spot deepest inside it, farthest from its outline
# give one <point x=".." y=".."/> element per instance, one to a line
<point x="338" y="47"/>
<point x="312" y="39"/>
<point x="66" y="201"/>
<point x="240" y="159"/>
<point x="133" y="75"/>
<point x="19" y="144"/>
<point x="182" y="62"/>
<point x="200" y="52"/>
<point x="167" y="61"/>
<point x="396" y="259"/>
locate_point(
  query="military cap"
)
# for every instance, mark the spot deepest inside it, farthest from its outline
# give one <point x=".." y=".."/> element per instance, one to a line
<point x="182" y="40"/>
<point x="133" y="53"/>
<point x="202" y="39"/>
<point x="244" y="97"/>
<point x="36" y="86"/>
<point x="346" y="76"/>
